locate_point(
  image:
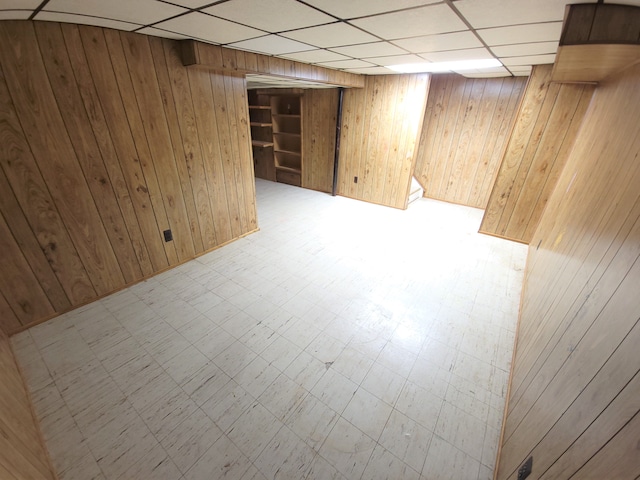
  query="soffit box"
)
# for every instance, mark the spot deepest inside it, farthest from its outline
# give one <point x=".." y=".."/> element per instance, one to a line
<point x="597" y="40"/>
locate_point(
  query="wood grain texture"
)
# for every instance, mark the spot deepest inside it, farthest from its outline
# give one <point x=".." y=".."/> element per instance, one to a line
<point x="107" y="141"/>
<point x="22" y="452"/>
<point x="238" y="62"/>
<point x="381" y="125"/>
<point x="319" y="114"/>
<point x="544" y="132"/>
<point x="467" y="122"/>
<point x="575" y="388"/>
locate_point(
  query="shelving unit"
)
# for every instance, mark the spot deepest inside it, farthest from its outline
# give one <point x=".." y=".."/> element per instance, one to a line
<point x="261" y="135"/>
<point x="287" y="137"/>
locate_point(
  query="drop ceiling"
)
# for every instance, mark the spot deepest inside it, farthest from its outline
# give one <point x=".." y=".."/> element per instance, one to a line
<point x="359" y="36"/>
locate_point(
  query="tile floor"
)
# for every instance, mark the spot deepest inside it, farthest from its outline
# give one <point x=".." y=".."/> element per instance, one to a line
<point x="342" y="341"/>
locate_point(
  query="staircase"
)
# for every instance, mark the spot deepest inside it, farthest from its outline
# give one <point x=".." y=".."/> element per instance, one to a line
<point x="415" y="192"/>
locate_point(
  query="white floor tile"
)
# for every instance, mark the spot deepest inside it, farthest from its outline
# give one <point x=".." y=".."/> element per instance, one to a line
<point x="314" y="348"/>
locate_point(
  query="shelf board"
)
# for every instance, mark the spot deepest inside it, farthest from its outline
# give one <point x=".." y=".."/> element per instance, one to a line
<point x="261" y="144"/>
<point x="288" y="169"/>
<point x="285" y="115"/>
<point x="288" y="152"/>
<point x="260" y="124"/>
<point x="287" y="133"/>
<point x="260" y="107"/>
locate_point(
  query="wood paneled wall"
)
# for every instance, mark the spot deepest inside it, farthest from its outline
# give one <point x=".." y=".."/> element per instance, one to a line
<point x="22" y="451"/>
<point x="466" y="126"/>
<point x="319" y="116"/>
<point x="381" y="125"/>
<point x="575" y="392"/>
<point x="107" y="140"/>
<point x="544" y="132"/>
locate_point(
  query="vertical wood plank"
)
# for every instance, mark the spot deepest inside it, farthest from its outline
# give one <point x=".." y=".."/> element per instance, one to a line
<point x="97" y="121"/>
<point x="463" y="136"/>
<point x="20" y="286"/>
<point x="206" y="123"/>
<point x="61" y="77"/>
<point x="31" y="193"/>
<point x="179" y="154"/>
<point x="128" y="159"/>
<point x="137" y="130"/>
<point x="538" y="147"/>
<point x="244" y="159"/>
<point x="8" y="320"/>
<point x="154" y="123"/>
<point x="191" y="142"/>
<point x="40" y="117"/>
<point x="224" y="165"/>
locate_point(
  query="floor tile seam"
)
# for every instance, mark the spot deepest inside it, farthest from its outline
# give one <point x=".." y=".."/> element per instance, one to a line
<point x="393" y="405"/>
<point x="460" y="449"/>
<point x="198" y="407"/>
<point x="375" y="442"/>
<point x="75" y="423"/>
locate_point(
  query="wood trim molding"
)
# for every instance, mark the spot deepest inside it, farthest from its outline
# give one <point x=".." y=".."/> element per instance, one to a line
<point x="241" y="62"/>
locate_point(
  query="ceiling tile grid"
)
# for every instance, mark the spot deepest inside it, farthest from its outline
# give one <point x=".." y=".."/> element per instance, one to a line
<point x="360" y="36"/>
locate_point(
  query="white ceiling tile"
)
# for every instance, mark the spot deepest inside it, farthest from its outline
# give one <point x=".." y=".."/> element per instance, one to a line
<point x="455" y="55"/>
<point x="495" y="13"/>
<point x="412" y="23"/>
<point x="364" y="50"/>
<point x="523" y="49"/>
<point x="15" y="14"/>
<point x="315" y="56"/>
<point x="521" y="69"/>
<point x="396" y="60"/>
<point x="270" y="15"/>
<point x="372" y="71"/>
<point x="19" y="4"/>
<point x="139" y="11"/>
<point x="352" y="9"/>
<point x="347" y="64"/>
<point x="537" y="32"/>
<point x="436" y="43"/>
<point x="528" y="60"/>
<point x="493" y="71"/>
<point x="485" y="74"/>
<point x="85" y="20"/>
<point x="209" y="28"/>
<point x="333" y="35"/>
<point x="157" y="32"/>
<point x="272" y="45"/>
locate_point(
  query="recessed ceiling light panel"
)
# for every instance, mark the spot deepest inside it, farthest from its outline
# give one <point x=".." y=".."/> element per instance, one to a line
<point x="436" y="67"/>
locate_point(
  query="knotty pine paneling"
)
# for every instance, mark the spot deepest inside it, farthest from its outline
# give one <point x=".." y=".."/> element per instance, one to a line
<point x="319" y="115"/>
<point x="466" y="126"/>
<point x="544" y="132"/>
<point x="574" y="401"/>
<point x="22" y="451"/>
<point x="381" y="124"/>
<point x="107" y="140"/>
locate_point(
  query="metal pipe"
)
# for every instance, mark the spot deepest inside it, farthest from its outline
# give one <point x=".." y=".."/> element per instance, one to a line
<point x="337" y="152"/>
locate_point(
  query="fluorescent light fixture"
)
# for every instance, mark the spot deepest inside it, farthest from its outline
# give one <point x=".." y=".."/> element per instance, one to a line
<point x="457" y="66"/>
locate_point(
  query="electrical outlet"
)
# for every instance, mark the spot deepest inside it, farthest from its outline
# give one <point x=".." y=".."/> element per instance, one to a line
<point x="168" y="236"/>
<point x="525" y="470"/>
<point x="355" y="179"/>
